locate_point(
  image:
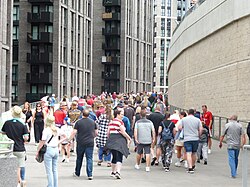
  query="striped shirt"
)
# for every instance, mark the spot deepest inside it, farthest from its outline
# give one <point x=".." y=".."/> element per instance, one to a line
<point x="114" y="126"/>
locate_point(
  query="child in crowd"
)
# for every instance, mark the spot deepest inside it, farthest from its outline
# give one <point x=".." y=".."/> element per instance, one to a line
<point x="203" y="145"/>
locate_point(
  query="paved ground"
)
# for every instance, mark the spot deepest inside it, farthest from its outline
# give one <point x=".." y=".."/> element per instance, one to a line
<point x="216" y="173"/>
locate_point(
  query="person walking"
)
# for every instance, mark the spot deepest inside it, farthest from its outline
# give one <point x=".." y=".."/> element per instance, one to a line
<point x="117" y="142"/>
<point x="28" y="117"/>
<point x="235" y="140"/>
<point x="192" y="129"/>
<point x="50" y="138"/>
<point x="86" y="130"/>
<point x="17" y="131"/>
<point x="167" y="132"/>
<point x="38" y="118"/>
<point x="144" y="134"/>
<point x="101" y="139"/>
<point x="207" y="118"/>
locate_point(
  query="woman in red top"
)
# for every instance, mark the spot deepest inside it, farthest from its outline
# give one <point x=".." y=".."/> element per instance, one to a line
<point x="117" y="142"/>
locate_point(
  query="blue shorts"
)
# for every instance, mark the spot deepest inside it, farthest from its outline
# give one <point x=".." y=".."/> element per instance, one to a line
<point x="191" y="146"/>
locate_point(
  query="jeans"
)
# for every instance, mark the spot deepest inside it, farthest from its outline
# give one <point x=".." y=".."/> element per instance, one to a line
<point x="106" y="157"/>
<point x="233" y="155"/>
<point x="80" y="150"/>
<point x="50" y="162"/>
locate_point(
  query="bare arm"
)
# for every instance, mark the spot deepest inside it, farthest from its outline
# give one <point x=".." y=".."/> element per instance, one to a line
<point x="136" y="136"/>
<point x="72" y="135"/>
<point x="123" y="132"/>
<point x="243" y="140"/>
<point x="221" y="140"/>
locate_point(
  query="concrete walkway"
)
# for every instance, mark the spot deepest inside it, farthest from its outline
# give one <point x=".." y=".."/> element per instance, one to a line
<point x="216" y="173"/>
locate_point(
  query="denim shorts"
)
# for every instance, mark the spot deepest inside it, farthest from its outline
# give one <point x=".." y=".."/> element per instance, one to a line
<point x="191" y="146"/>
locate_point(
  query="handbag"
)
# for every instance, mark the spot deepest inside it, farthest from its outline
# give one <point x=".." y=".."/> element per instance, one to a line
<point x="42" y="151"/>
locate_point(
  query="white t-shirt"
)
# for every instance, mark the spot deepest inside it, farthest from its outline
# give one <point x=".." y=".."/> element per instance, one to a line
<point x="47" y="133"/>
<point x="67" y="130"/>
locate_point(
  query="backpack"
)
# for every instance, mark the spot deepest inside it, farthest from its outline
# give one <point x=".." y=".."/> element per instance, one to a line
<point x="248" y="130"/>
<point x="166" y="132"/>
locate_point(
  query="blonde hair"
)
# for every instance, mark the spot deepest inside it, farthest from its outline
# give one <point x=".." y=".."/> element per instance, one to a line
<point x="50" y="123"/>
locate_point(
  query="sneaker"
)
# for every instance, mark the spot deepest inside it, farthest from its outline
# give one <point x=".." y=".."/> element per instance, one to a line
<point x="185" y="164"/>
<point x="18" y="185"/>
<point x="112" y="174"/>
<point x="143" y="160"/>
<point x="147" y="169"/>
<point x="99" y="163"/>
<point x="166" y="169"/>
<point x="178" y="164"/>
<point x="193" y="167"/>
<point x="75" y="175"/>
<point x="90" y="178"/>
<point x="190" y="170"/>
<point x="73" y="154"/>
<point x="23" y="183"/>
<point x="205" y="162"/>
<point x="117" y="175"/>
<point x="67" y="160"/>
<point x="209" y="151"/>
<point x="153" y="161"/>
<point x="137" y="166"/>
<point x="156" y="163"/>
<point x="198" y="161"/>
<point x="63" y="160"/>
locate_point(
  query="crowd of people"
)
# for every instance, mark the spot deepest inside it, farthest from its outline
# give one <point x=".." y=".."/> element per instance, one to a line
<point x="114" y="123"/>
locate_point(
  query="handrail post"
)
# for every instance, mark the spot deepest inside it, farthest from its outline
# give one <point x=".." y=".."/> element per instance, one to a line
<point x="246" y="148"/>
<point x="219" y="127"/>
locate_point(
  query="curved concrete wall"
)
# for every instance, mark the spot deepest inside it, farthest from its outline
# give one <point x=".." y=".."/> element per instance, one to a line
<point x="209" y="59"/>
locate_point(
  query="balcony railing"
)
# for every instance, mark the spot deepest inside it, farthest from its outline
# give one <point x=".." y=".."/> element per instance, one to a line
<point x="113" y="46"/>
<point x="111" y="31"/>
<point x="40" y="1"/>
<point x="45" y="17"/>
<point x="39" y="58"/>
<point x="111" y="3"/>
<point x="110" y="75"/>
<point x="110" y="60"/>
<point x="39" y="78"/>
<point x="43" y="37"/>
<point x="33" y="97"/>
<point x="111" y="16"/>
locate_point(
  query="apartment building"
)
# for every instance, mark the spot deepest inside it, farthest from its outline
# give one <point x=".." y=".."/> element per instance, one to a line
<point x="123" y="46"/>
<point x="5" y="54"/>
<point x="165" y="22"/>
<point x="52" y="48"/>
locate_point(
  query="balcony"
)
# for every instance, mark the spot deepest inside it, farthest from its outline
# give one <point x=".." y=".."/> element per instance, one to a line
<point x="154" y="74"/>
<point x="33" y="97"/>
<point x="110" y="60"/>
<point x="154" y="64"/>
<point x="111" y="31"/>
<point x="44" y="17"/>
<point x="111" y="3"/>
<point x="43" y="37"/>
<point x="111" y="75"/>
<point x="154" y="56"/>
<point x="39" y="78"/>
<point x="40" y="1"/>
<point x="111" y="16"/>
<point x="40" y="58"/>
<point x="113" y="46"/>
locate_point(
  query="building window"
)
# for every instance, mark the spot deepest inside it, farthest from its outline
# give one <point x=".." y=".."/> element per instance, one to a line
<point x="162" y="53"/>
<point x="162" y="63"/>
<point x="163" y="2"/>
<point x="169" y="12"/>
<point x="49" y="8"/>
<point x="14" y="73"/>
<point x="34" y="89"/>
<point x="49" y="28"/>
<point x="162" y="43"/>
<point x="35" y="9"/>
<point x="47" y="89"/>
<point x="15" y="13"/>
<point x="162" y="73"/>
<point x="15" y="32"/>
<point x="163" y="33"/>
<point x="35" y="32"/>
<point x="163" y="12"/>
<point x="162" y="23"/>
<point x="14" y="93"/>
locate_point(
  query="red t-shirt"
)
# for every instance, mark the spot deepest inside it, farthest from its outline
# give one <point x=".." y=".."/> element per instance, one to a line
<point x="207" y="117"/>
<point x="59" y="116"/>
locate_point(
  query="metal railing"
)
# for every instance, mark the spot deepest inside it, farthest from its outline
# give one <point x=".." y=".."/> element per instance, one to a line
<point x="218" y="123"/>
<point x="6" y="148"/>
<point x="189" y="11"/>
<point x="245" y="158"/>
